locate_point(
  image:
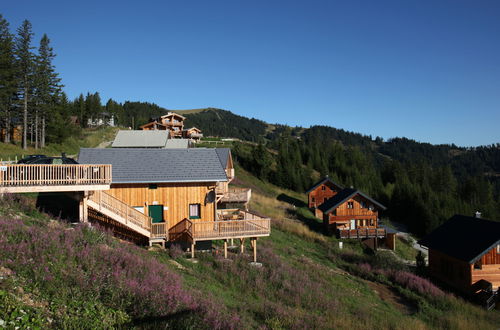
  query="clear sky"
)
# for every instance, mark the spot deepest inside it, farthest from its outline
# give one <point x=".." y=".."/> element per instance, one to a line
<point x="427" y="70"/>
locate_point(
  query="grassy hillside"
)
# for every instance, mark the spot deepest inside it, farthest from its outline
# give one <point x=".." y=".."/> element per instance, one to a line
<point x="89" y="138"/>
<point x="58" y="276"/>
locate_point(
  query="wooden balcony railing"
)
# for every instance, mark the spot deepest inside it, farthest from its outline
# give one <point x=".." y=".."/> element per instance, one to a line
<point x="126" y="213"/>
<point x="208" y="230"/>
<point x="237" y="195"/>
<point x="159" y="230"/>
<point x="54" y="175"/>
<point x="362" y="233"/>
<point x="355" y="212"/>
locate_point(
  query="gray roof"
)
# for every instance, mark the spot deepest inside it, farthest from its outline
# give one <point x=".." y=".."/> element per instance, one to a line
<point x="223" y="154"/>
<point x="141" y="139"/>
<point x="177" y="143"/>
<point x="145" y="165"/>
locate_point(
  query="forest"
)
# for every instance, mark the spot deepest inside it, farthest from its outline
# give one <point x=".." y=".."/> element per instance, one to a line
<point x="421" y="184"/>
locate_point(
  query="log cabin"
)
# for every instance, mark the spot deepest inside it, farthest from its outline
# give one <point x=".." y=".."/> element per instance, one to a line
<point x="192" y="133"/>
<point x="464" y="253"/>
<point x="320" y="193"/>
<point x="351" y="213"/>
<point x="172" y="122"/>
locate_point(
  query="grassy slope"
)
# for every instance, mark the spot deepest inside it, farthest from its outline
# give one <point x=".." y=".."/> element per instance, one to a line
<point x="88" y="139"/>
<point x="305" y="280"/>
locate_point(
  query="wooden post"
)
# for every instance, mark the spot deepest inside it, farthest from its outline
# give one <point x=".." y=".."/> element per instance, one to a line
<point x="192" y="249"/>
<point x="225" y="249"/>
<point x="242" y="245"/>
<point x="255" y="250"/>
<point x="84" y="211"/>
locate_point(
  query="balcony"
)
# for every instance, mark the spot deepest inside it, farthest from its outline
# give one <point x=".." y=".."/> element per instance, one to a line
<point x="237" y="195"/>
<point x="362" y="233"/>
<point x="21" y="178"/>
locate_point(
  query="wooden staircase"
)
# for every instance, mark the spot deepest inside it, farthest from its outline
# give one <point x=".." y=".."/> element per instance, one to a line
<point x="127" y="216"/>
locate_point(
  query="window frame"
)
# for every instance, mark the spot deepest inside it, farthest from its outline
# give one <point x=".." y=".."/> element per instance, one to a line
<point x="198" y="207"/>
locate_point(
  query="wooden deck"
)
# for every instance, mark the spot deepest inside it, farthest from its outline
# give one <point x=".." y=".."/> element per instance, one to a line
<point x="362" y="233"/>
<point x="213" y="230"/>
<point x="22" y="178"/>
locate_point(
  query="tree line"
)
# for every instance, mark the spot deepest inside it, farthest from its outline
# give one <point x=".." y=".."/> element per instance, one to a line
<point x="421" y="184"/>
<point x="29" y="85"/>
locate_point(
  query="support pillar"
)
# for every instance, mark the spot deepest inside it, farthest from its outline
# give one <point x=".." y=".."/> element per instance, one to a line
<point x="225" y="249"/>
<point x="84" y="210"/>
<point x="192" y="249"/>
<point x="242" y="245"/>
<point x="254" y="246"/>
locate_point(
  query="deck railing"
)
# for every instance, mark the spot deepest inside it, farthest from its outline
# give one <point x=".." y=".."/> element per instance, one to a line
<point x="200" y="230"/>
<point x="362" y="233"/>
<point x="120" y="208"/>
<point x="159" y="230"/>
<point x="237" y="195"/>
<point x="54" y="175"/>
<point x="354" y="212"/>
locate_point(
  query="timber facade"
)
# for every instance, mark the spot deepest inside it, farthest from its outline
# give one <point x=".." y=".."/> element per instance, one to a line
<point x="464" y="253"/>
<point x="320" y="193"/>
<point x="351" y="213"/>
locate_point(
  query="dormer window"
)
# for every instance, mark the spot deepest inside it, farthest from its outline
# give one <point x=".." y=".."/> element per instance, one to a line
<point x="350" y="205"/>
<point x="323" y="187"/>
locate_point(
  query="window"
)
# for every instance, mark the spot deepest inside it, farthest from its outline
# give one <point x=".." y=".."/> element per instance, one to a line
<point x="323" y="187"/>
<point x="194" y="211"/>
<point x="478" y="264"/>
<point x="312" y="199"/>
<point x="371" y="222"/>
<point x="498" y="248"/>
<point x="363" y="205"/>
<point x="350" y="205"/>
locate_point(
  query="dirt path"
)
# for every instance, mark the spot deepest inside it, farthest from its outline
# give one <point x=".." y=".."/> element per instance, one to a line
<point x="391" y="296"/>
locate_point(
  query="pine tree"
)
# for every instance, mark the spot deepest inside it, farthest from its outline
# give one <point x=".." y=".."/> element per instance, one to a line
<point x="8" y="80"/>
<point x="47" y="85"/>
<point x="25" y="64"/>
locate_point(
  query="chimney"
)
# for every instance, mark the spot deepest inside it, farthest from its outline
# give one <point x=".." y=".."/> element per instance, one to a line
<point x="478" y="215"/>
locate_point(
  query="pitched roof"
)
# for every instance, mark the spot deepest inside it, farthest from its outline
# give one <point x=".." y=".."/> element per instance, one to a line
<point x="344" y="195"/>
<point x="146" y="165"/>
<point x="464" y="238"/>
<point x="140" y="139"/>
<point x="153" y="123"/>
<point x="169" y="114"/>
<point x="223" y="154"/>
<point x="319" y="183"/>
<point x="177" y="143"/>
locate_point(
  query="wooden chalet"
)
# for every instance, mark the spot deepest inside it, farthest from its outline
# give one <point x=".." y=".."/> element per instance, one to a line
<point x="177" y="190"/>
<point x="172" y="122"/>
<point x="464" y="253"/>
<point x="352" y="214"/>
<point x="320" y="193"/>
<point x="192" y="133"/>
<point x="145" y="194"/>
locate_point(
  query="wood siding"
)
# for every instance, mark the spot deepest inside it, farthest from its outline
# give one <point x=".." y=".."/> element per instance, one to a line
<point x="174" y="196"/>
<point x="462" y="275"/>
<point x="323" y="192"/>
<point x="341" y="217"/>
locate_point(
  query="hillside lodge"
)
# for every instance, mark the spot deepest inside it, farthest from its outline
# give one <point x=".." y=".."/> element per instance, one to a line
<point x="464" y="253"/>
<point x="149" y="195"/>
<point x="174" y="123"/>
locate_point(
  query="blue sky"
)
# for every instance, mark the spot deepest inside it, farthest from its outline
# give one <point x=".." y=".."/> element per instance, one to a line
<point x="427" y="70"/>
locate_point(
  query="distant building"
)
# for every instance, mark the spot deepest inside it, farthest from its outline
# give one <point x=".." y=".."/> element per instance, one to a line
<point x="102" y="119"/>
<point x="172" y="122"/>
<point x="464" y="253"/>
<point x="320" y="193"/>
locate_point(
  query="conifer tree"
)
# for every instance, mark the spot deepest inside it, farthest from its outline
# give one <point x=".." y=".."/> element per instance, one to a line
<point x="47" y="85"/>
<point x="25" y="65"/>
<point x="7" y="76"/>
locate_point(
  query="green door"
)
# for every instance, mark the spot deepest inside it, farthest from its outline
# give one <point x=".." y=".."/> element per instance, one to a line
<point x="156" y="212"/>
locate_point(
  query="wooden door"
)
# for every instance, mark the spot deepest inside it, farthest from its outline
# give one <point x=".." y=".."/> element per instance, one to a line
<point x="156" y="213"/>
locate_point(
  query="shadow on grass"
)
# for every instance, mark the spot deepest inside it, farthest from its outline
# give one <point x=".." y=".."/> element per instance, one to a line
<point x="180" y="319"/>
<point x="300" y="211"/>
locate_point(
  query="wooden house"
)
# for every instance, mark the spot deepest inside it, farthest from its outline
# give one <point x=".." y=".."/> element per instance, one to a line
<point x="172" y="122"/>
<point x="192" y="133"/>
<point x="464" y="253"/>
<point x="351" y="213"/>
<point x="177" y="189"/>
<point x="320" y="193"/>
